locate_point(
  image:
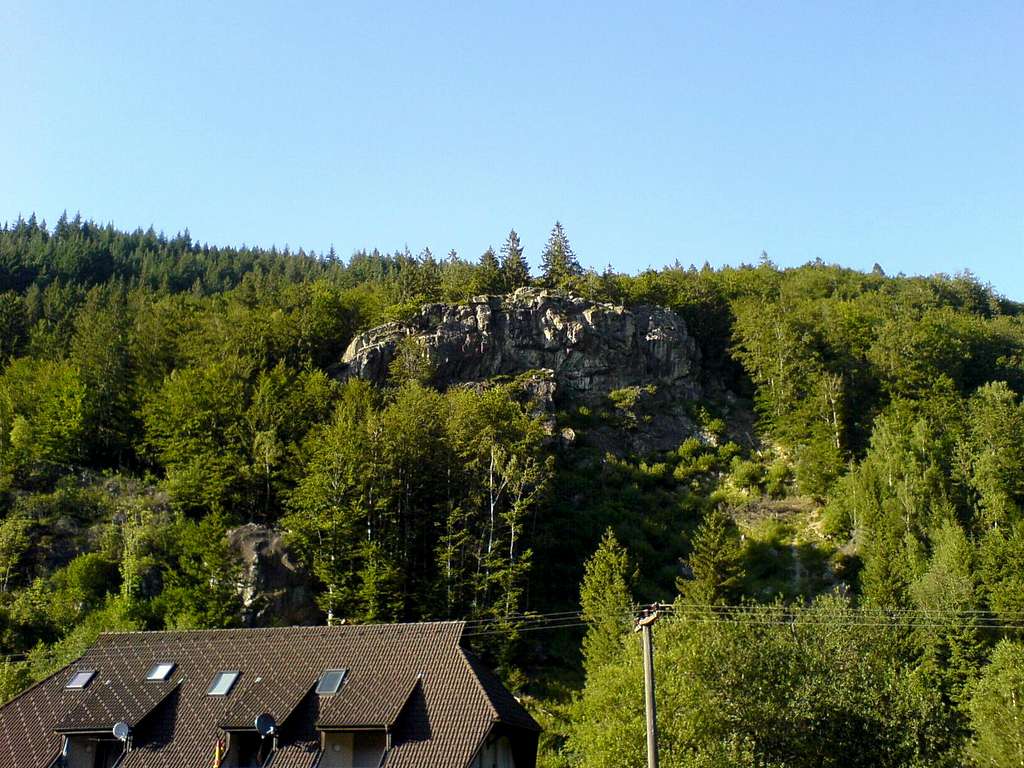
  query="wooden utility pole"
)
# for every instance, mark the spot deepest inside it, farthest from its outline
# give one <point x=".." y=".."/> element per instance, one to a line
<point x="643" y="625"/>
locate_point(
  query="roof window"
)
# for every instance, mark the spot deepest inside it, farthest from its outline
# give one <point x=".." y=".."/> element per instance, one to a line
<point x="331" y="681"/>
<point x="223" y="683"/>
<point x="160" y="671"/>
<point x="81" y="678"/>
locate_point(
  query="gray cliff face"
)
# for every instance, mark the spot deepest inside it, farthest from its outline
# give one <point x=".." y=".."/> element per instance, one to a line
<point x="590" y="348"/>
<point x="275" y="588"/>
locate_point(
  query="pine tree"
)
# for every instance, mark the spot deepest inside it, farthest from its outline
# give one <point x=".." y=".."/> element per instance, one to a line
<point x="559" y="262"/>
<point x="488" y="274"/>
<point x="606" y="603"/>
<point x="952" y="648"/>
<point x="716" y="561"/>
<point x="515" y="271"/>
<point x="997" y="709"/>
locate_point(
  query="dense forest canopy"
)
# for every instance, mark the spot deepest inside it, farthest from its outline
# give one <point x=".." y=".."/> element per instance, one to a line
<point x="846" y="564"/>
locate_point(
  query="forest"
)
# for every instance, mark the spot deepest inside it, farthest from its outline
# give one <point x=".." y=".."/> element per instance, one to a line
<point x="840" y="544"/>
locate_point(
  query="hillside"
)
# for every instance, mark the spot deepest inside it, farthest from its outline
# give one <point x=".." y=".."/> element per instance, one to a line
<point x="193" y="436"/>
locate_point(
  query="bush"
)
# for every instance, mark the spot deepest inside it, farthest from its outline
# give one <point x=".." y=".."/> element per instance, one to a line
<point x="818" y="466"/>
<point x="778" y="478"/>
<point x="747" y="474"/>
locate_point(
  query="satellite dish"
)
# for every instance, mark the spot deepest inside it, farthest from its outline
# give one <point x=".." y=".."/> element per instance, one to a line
<point x="265" y="724"/>
<point x="122" y="731"/>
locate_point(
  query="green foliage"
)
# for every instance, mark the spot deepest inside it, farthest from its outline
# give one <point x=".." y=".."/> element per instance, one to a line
<point x="777" y="478"/>
<point x="44" y="660"/>
<point x="716" y="561"/>
<point x="798" y="687"/>
<point x="1001" y="569"/>
<point x="947" y="589"/>
<point x="747" y="474"/>
<point x="194" y="429"/>
<point x="515" y="270"/>
<point x="888" y="565"/>
<point x="558" y="262"/>
<point x="418" y="505"/>
<point x="488" y="277"/>
<point x="99" y="351"/>
<point x="991" y="453"/>
<point x="14" y="544"/>
<point x="997" y="710"/>
<point x="224" y="432"/>
<point x="818" y="465"/>
<point x="412" y="363"/>
<point x="203" y="587"/>
<point x="43" y="406"/>
<point x="155" y="392"/>
<point x="605" y="601"/>
<point x="12" y="324"/>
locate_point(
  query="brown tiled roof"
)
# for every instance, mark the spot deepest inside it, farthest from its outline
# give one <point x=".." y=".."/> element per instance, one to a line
<point x="109" y="700"/>
<point x="506" y="708"/>
<point x="365" y="701"/>
<point x="277" y="694"/>
<point x="414" y="678"/>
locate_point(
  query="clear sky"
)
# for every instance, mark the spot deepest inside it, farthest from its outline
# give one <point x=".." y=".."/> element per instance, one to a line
<point x="889" y="132"/>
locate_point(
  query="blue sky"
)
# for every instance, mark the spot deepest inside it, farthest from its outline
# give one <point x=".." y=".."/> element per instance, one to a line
<point x="854" y="132"/>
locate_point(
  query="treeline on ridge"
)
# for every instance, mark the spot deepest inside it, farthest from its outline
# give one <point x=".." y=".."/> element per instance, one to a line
<point x="155" y="393"/>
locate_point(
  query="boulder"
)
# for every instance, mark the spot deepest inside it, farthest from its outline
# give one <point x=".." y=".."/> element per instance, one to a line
<point x="276" y="590"/>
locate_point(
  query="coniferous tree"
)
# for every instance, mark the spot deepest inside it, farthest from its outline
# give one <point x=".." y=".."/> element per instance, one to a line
<point x="716" y="561"/>
<point x="559" y="262"/>
<point x="12" y="323"/>
<point x="997" y="709"/>
<point x="948" y="589"/>
<point x="515" y="271"/>
<point x="606" y="603"/>
<point x="488" y="274"/>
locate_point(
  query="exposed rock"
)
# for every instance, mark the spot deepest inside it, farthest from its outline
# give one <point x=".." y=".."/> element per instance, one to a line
<point x="591" y="348"/>
<point x="275" y="589"/>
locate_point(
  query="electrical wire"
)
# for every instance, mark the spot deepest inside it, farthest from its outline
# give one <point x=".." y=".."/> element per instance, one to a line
<point x="751" y="614"/>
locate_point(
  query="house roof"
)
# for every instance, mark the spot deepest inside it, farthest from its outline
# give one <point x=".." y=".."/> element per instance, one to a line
<point x="414" y="679"/>
<point x="113" y="699"/>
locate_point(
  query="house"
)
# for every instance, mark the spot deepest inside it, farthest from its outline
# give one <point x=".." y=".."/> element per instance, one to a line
<point x="356" y="696"/>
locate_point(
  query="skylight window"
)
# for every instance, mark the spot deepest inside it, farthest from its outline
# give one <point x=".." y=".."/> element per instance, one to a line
<point x="331" y="681"/>
<point x="160" y="672"/>
<point x="223" y="683"/>
<point x="81" y="678"/>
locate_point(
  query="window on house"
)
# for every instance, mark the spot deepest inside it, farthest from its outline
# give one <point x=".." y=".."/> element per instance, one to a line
<point x="331" y="681"/>
<point x="160" y="671"/>
<point x="368" y="749"/>
<point x="496" y="753"/>
<point x="81" y="678"/>
<point x="89" y="752"/>
<point x="248" y="750"/>
<point x="223" y="683"/>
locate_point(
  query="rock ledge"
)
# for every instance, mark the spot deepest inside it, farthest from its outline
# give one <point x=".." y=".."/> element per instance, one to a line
<point x="591" y="348"/>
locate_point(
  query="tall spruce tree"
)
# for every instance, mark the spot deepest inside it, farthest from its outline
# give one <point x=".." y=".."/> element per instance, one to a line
<point x="716" y="561"/>
<point x="606" y="603"/>
<point x="488" y="274"/>
<point x="515" y="271"/>
<point x="559" y="262"/>
<point x="997" y="709"/>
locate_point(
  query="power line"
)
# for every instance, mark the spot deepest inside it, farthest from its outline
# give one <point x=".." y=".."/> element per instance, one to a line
<point x="767" y="615"/>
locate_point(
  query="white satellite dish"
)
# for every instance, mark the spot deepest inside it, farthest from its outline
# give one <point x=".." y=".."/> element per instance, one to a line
<point x="122" y="731"/>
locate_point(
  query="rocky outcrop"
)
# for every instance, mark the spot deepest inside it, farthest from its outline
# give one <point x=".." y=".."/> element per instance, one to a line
<point x="275" y="589"/>
<point x="590" y="348"/>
